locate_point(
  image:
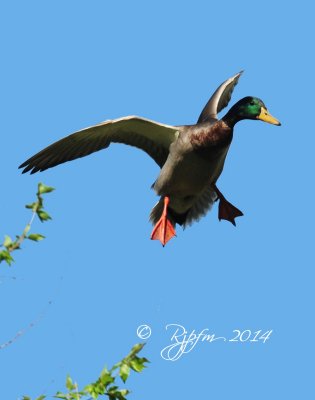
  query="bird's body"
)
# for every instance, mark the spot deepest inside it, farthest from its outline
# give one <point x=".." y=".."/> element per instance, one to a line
<point x="194" y="164"/>
<point x="191" y="157"/>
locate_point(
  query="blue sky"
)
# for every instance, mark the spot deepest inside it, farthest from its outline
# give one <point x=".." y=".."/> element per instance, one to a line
<point x="68" y="65"/>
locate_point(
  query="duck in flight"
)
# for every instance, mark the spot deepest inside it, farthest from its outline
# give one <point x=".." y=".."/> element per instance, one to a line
<point x="191" y="157"/>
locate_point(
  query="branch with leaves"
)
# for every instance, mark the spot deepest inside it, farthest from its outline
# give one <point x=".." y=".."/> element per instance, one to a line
<point x="37" y="208"/>
<point x="105" y="385"/>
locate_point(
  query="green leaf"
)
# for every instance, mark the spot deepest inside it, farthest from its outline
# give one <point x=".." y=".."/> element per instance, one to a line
<point x="91" y="390"/>
<point x="106" y="378"/>
<point x="7" y="241"/>
<point x="115" y="393"/>
<point x="42" y="397"/>
<point x="6" y="256"/>
<point x="137" y="364"/>
<point x="136" y="349"/>
<point x="32" y="206"/>
<point x="26" y="398"/>
<point x="96" y="389"/>
<point x="123" y="393"/>
<point x="88" y="388"/>
<point x="69" y="384"/>
<point x="124" y="372"/>
<point x="113" y="389"/>
<point x="36" y="237"/>
<point x="62" y="396"/>
<point x="44" y="189"/>
<point x="43" y="216"/>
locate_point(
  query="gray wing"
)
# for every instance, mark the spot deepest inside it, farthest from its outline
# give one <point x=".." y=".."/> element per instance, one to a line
<point x="152" y="137"/>
<point x="220" y="99"/>
<point x="201" y="206"/>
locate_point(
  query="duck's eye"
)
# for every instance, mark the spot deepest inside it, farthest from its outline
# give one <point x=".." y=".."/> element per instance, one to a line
<point x="252" y="103"/>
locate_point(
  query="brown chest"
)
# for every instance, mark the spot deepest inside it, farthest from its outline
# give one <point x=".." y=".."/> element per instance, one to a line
<point x="209" y="138"/>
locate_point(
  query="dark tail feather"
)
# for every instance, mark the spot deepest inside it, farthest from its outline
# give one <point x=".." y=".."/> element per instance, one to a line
<point x="179" y="219"/>
<point x="174" y="217"/>
<point x="199" y="209"/>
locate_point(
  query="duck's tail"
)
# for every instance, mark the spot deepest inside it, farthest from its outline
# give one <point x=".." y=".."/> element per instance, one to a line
<point x="199" y="208"/>
<point x="174" y="218"/>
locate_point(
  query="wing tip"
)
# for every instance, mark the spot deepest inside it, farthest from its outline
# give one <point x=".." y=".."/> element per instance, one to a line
<point x="29" y="168"/>
<point x="22" y="165"/>
<point x="237" y="76"/>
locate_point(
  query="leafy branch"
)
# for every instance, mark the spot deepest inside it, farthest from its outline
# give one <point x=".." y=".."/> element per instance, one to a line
<point x="37" y="208"/>
<point x="105" y="384"/>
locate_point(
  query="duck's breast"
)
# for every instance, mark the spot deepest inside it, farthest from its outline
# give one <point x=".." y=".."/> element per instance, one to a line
<point x="195" y="161"/>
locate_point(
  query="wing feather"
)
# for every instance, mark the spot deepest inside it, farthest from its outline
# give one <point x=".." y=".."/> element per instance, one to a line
<point x="220" y="99"/>
<point x="152" y="137"/>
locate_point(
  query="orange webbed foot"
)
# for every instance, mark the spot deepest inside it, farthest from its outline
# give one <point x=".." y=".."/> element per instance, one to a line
<point x="164" y="229"/>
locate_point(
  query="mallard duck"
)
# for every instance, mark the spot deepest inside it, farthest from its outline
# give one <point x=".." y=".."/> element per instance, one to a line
<point x="191" y="157"/>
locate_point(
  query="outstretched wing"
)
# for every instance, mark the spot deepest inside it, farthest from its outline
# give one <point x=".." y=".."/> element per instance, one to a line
<point x="220" y="99"/>
<point x="152" y="137"/>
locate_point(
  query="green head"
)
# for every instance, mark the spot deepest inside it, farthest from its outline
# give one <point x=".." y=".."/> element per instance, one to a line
<point x="249" y="108"/>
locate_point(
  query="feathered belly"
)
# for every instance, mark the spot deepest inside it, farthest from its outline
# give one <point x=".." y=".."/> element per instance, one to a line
<point x="186" y="178"/>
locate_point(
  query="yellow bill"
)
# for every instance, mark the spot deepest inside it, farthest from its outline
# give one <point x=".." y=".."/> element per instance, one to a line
<point x="266" y="117"/>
